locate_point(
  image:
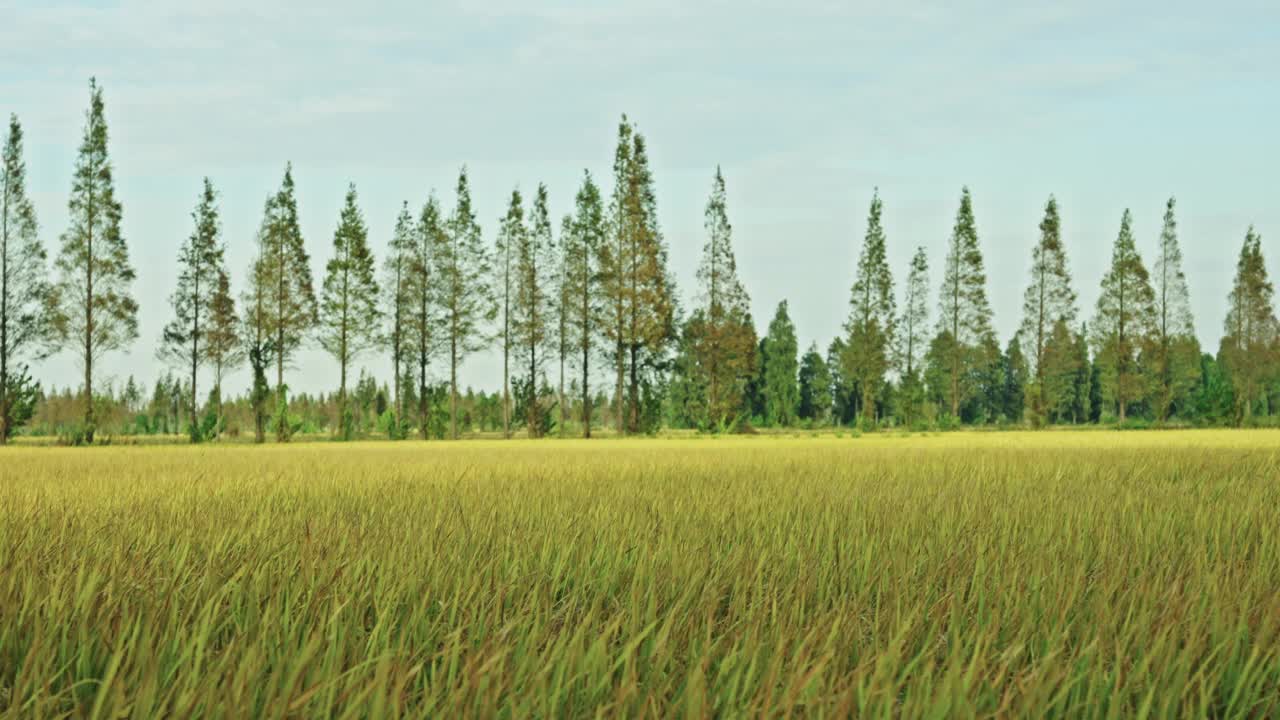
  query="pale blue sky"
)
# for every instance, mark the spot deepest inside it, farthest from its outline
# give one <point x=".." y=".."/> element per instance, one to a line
<point x="807" y="106"/>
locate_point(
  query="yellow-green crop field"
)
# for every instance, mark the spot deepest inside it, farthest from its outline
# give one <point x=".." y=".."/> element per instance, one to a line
<point x="1090" y="574"/>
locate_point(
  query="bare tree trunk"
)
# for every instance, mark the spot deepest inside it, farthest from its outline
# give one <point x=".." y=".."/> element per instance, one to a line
<point x="395" y="385"/>
<point x="506" y="383"/>
<point x="195" y="364"/>
<point x="88" y="330"/>
<point x="621" y="383"/>
<point x="424" y="404"/>
<point x="343" y="429"/>
<point x="453" y="386"/>
<point x="88" y="369"/>
<point x="4" y="382"/>
<point x="633" y="422"/>
<point x="586" y="390"/>
<point x="532" y="421"/>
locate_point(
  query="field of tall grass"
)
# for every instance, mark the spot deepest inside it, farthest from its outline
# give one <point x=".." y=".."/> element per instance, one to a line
<point x="960" y="575"/>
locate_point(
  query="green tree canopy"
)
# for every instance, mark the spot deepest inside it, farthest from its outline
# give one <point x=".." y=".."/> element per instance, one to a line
<point x="781" y="369"/>
<point x="872" y="323"/>
<point x="350" y="319"/>
<point x="96" y="313"/>
<point x="1123" y="323"/>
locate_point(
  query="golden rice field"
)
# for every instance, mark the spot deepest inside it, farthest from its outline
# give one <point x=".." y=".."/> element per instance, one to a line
<point x="1090" y="574"/>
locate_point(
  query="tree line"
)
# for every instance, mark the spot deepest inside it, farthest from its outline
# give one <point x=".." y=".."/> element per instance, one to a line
<point x="592" y="297"/>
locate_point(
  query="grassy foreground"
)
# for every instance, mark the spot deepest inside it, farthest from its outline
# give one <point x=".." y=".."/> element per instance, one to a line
<point x="1011" y="574"/>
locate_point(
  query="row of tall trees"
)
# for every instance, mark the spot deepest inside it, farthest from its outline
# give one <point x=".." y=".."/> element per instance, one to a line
<point x="600" y="289"/>
<point x="433" y="297"/>
<point x="597" y="298"/>
<point x="1138" y="350"/>
<point x="87" y="308"/>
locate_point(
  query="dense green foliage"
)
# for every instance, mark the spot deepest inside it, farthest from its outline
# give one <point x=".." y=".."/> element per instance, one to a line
<point x="1048" y="310"/>
<point x="780" y="370"/>
<point x="533" y="316"/>
<point x="1249" y="346"/>
<point x="1173" y="352"/>
<point x="285" y="307"/>
<point x="24" y="286"/>
<point x="639" y="323"/>
<point x="200" y="289"/>
<point x="872" y="322"/>
<point x="94" y="311"/>
<point x="462" y="289"/>
<point x="582" y="244"/>
<point x="962" y="349"/>
<point x="1124" y="323"/>
<point x="349" y="308"/>
<point x="720" y="337"/>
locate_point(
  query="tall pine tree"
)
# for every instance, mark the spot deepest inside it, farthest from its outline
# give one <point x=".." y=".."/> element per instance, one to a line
<point x="349" y="314"/>
<point x="1048" y="303"/>
<point x="641" y="316"/>
<point x="259" y="345"/>
<point x="511" y="235"/>
<point x="1174" y="352"/>
<point x="781" y="369"/>
<point x="25" y="292"/>
<point x="563" y="312"/>
<point x="582" y="279"/>
<point x="614" y="264"/>
<point x="465" y="295"/>
<point x="912" y="336"/>
<point x="288" y="292"/>
<point x="1249" y="346"/>
<point x="200" y="262"/>
<point x="722" y="341"/>
<point x="814" y="384"/>
<point x="535" y="261"/>
<point x="964" y="322"/>
<point x="397" y="268"/>
<point x="1123" y="323"/>
<point x="96" y="312"/>
<point x="872" y="321"/>
<point x="425" y="331"/>
<point x="223" y="347"/>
